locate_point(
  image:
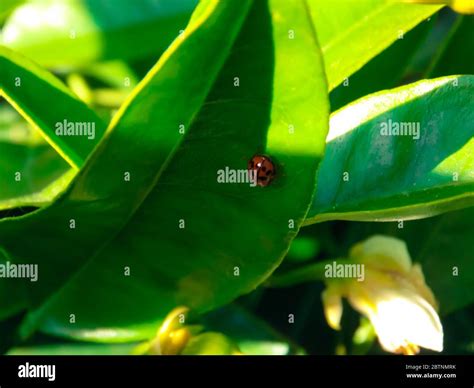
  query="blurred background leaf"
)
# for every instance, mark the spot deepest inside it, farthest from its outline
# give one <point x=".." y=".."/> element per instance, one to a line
<point x="27" y="86"/>
<point x="302" y="249"/>
<point x="51" y="347"/>
<point x="7" y="6"/>
<point x="252" y="335"/>
<point x="30" y="170"/>
<point x="75" y="33"/>
<point x="211" y="343"/>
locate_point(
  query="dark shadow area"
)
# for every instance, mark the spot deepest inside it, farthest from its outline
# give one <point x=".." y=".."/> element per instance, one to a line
<point x="16" y="212"/>
<point x="9" y="332"/>
<point x="385" y="71"/>
<point x="458" y="57"/>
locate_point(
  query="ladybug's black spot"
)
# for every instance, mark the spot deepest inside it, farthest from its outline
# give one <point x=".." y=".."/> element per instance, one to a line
<point x="262" y="178"/>
<point x="269" y="172"/>
<point x="264" y="168"/>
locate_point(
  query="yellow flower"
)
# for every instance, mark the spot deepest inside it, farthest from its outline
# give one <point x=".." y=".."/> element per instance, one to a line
<point x="172" y="336"/>
<point x="393" y="295"/>
<point x="177" y="337"/>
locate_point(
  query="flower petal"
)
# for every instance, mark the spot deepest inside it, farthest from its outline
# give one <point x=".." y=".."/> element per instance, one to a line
<point x="384" y="253"/>
<point x="332" y="303"/>
<point x="418" y="280"/>
<point x="405" y="319"/>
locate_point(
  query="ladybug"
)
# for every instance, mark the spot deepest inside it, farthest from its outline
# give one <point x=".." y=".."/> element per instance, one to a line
<point x="264" y="167"/>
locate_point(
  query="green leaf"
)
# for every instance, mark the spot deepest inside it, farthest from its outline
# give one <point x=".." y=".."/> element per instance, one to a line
<point x="102" y="199"/>
<point x="210" y="344"/>
<point x="7" y="6"/>
<point x="366" y="175"/>
<point x="30" y="170"/>
<point x="456" y="55"/>
<point x="26" y="86"/>
<point x="352" y="32"/>
<point x="114" y="73"/>
<point x="252" y="335"/>
<point x="226" y="226"/>
<point x="363" y="338"/>
<point x="385" y="71"/>
<point x="302" y="274"/>
<point x="72" y="349"/>
<point x="77" y="32"/>
<point x="302" y="249"/>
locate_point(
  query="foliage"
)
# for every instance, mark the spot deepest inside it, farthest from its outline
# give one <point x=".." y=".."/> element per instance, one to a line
<point x="127" y="220"/>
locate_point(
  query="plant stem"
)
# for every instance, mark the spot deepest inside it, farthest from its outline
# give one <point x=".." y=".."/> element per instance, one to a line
<point x="308" y="273"/>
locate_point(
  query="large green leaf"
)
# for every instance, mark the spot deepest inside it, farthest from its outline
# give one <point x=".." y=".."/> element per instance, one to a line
<point x="77" y="32"/>
<point x="227" y="226"/>
<point x="27" y="87"/>
<point x="352" y="32"/>
<point x="366" y="175"/>
<point x="102" y="199"/>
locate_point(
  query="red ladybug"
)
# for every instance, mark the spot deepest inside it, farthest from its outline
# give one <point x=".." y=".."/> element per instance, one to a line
<point x="264" y="167"/>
